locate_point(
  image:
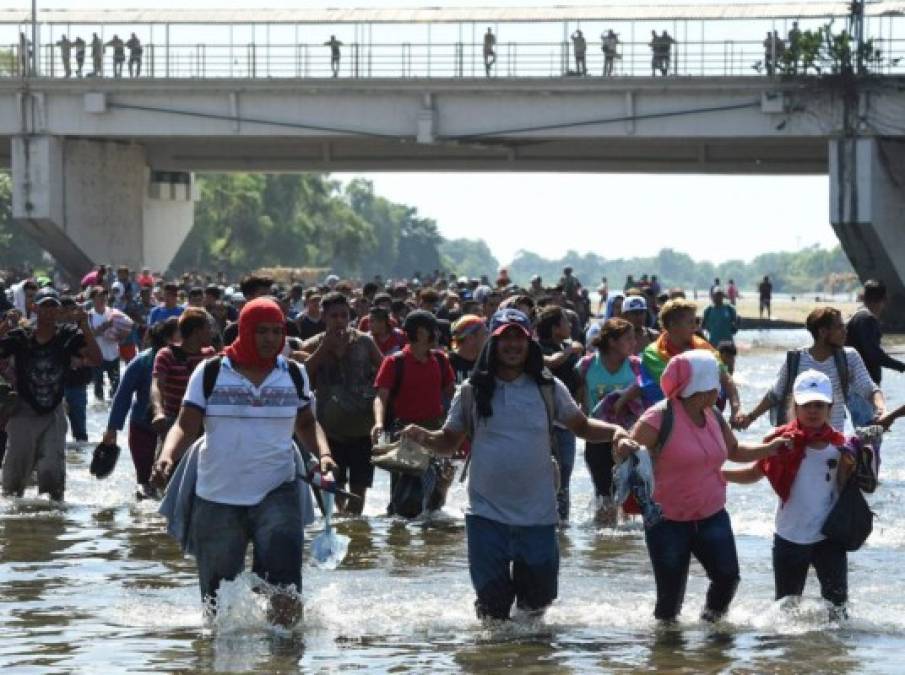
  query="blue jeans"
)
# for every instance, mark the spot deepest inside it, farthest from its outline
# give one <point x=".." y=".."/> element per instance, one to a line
<point x="566" y="441"/>
<point x="509" y="563"/>
<point x="221" y="533"/>
<point x="671" y="544"/>
<point x="76" y="410"/>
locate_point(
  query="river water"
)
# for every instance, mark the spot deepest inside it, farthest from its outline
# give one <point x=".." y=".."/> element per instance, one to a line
<point x="96" y="586"/>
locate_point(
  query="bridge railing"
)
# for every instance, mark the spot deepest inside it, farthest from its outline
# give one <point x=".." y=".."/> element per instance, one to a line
<point x="419" y="60"/>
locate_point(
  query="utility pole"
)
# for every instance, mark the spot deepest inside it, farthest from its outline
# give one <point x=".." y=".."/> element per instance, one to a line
<point x="34" y="38"/>
<point x="856" y="29"/>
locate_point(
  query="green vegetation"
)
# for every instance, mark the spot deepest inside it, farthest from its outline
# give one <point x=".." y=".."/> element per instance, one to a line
<point x="248" y="221"/>
<point x="16" y="249"/>
<point x="811" y="269"/>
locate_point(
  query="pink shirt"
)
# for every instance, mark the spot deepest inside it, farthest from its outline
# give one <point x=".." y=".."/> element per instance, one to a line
<point x="688" y="482"/>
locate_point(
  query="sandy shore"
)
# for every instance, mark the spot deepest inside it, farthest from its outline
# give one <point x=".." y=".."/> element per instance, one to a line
<point x="795" y="311"/>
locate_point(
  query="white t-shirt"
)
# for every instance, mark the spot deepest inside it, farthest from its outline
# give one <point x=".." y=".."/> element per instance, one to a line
<point x="813" y="495"/>
<point x="109" y="348"/>
<point x="249" y="429"/>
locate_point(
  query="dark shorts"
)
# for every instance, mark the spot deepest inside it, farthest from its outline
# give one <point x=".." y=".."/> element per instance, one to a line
<point x="353" y="461"/>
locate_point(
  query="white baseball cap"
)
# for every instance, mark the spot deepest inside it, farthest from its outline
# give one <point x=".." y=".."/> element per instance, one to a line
<point x="812" y="385"/>
<point x="634" y="303"/>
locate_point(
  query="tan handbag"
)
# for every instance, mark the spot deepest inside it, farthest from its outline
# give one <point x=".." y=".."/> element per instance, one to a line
<point x="403" y="456"/>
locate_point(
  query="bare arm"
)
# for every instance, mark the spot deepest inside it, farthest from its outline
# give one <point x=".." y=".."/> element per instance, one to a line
<point x="593" y="430"/>
<point x="887" y="420"/>
<point x="732" y="393"/>
<point x="90" y="352"/>
<point x="751" y="474"/>
<point x="444" y="442"/>
<point x="750" y="452"/>
<point x="183" y="433"/>
<point x="313" y="438"/>
<point x="156" y="398"/>
<point x="380" y="405"/>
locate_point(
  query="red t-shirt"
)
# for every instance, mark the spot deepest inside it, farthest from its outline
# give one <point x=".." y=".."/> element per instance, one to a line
<point x="174" y="367"/>
<point x="420" y="398"/>
<point x="394" y="342"/>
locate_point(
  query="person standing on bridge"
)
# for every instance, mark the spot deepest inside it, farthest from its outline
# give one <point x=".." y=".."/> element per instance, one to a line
<point x="335" y="54"/>
<point x="794" y="53"/>
<point x="610" y="46"/>
<point x="666" y="43"/>
<point x="97" y="56"/>
<point x="489" y="51"/>
<point x="580" y="47"/>
<point x="119" y="55"/>
<point x="135" y="52"/>
<point x="65" y="52"/>
<point x="79" y="55"/>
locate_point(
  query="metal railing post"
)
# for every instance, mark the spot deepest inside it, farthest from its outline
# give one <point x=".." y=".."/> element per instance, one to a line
<point x="254" y="60"/>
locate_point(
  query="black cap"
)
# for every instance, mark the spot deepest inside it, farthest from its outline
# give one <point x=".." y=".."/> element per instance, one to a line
<point x="47" y="295"/>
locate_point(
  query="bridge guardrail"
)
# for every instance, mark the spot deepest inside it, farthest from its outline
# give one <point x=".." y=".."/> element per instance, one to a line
<point x="412" y="60"/>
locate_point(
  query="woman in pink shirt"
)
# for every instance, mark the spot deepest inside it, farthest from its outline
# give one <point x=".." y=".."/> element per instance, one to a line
<point x="689" y="486"/>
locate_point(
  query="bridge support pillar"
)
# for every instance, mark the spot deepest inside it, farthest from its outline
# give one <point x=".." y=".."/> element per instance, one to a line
<point x="867" y="211"/>
<point x="88" y="202"/>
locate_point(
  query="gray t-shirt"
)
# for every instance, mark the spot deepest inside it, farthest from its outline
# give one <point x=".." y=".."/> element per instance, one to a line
<point x="511" y="477"/>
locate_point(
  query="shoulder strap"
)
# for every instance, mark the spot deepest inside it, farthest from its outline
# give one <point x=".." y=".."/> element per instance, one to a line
<point x="666" y="425"/>
<point x="793" y="361"/>
<point x="635" y="364"/>
<point x="211" y="371"/>
<point x="585" y="365"/>
<point x="467" y="402"/>
<point x="842" y="368"/>
<point x="298" y="379"/>
<point x="398" y="372"/>
<point x="548" y="392"/>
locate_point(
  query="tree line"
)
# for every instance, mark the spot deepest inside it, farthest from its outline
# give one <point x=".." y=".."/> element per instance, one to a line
<point x="247" y="221"/>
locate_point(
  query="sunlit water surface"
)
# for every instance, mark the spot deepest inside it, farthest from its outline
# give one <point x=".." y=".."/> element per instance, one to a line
<point x="96" y="586"/>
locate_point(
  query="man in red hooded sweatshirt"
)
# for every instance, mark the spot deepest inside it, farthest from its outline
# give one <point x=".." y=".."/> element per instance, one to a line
<point x="246" y="489"/>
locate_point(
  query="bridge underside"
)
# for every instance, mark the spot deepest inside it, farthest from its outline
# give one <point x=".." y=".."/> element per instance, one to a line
<point x="687" y="156"/>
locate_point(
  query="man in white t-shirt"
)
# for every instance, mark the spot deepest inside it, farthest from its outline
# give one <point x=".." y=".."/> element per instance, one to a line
<point x="246" y="490"/>
<point x="100" y="318"/>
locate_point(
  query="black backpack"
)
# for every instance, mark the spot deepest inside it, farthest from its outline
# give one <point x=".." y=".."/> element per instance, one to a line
<point x="212" y="370"/>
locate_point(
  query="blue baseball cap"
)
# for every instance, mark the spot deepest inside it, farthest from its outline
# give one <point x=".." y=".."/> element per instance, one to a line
<point x="504" y="318"/>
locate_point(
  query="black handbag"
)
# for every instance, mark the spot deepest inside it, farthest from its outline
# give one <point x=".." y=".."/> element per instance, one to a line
<point x="851" y="521"/>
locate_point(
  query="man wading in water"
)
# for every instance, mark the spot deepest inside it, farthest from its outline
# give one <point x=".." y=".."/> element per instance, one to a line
<point x="246" y="488"/>
<point x="507" y="408"/>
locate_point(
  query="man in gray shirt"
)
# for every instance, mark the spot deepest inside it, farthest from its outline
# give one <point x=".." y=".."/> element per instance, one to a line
<point x="506" y="409"/>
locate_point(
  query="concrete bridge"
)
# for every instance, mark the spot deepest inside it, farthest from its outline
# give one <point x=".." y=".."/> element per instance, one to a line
<point x="102" y="167"/>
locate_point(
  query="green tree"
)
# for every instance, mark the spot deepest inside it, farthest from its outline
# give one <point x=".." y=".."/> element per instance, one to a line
<point x="16" y="247"/>
<point x="471" y="257"/>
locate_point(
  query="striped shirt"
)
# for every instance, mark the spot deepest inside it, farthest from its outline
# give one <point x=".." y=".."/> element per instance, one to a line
<point x="859" y="381"/>
<point x="172" y="368"/>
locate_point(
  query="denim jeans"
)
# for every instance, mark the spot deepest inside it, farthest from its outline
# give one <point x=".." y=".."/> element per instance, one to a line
<point x="790" y="568"/>
<point x="671" y="544"/>
<point x="565" y="439"/>
<point x="76" y="410"/>
<point x="221" y="534"/>
<point x="509" y="563"/>
<point x="111" y="368"/>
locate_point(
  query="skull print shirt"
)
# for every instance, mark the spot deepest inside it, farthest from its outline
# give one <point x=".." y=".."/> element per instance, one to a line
<point x="41" y="368"/>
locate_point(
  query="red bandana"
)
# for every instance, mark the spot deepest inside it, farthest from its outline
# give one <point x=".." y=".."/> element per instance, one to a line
<point x="781" y="469"/>
<point x="243" y="351"/>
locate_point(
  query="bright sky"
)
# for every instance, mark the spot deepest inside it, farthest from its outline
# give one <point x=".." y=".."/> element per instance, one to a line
<point x="710" y="217"/>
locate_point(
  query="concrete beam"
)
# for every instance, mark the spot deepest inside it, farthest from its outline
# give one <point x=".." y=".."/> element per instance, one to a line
<point x="867" y="211"/>
<point x="87" y="202"/>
